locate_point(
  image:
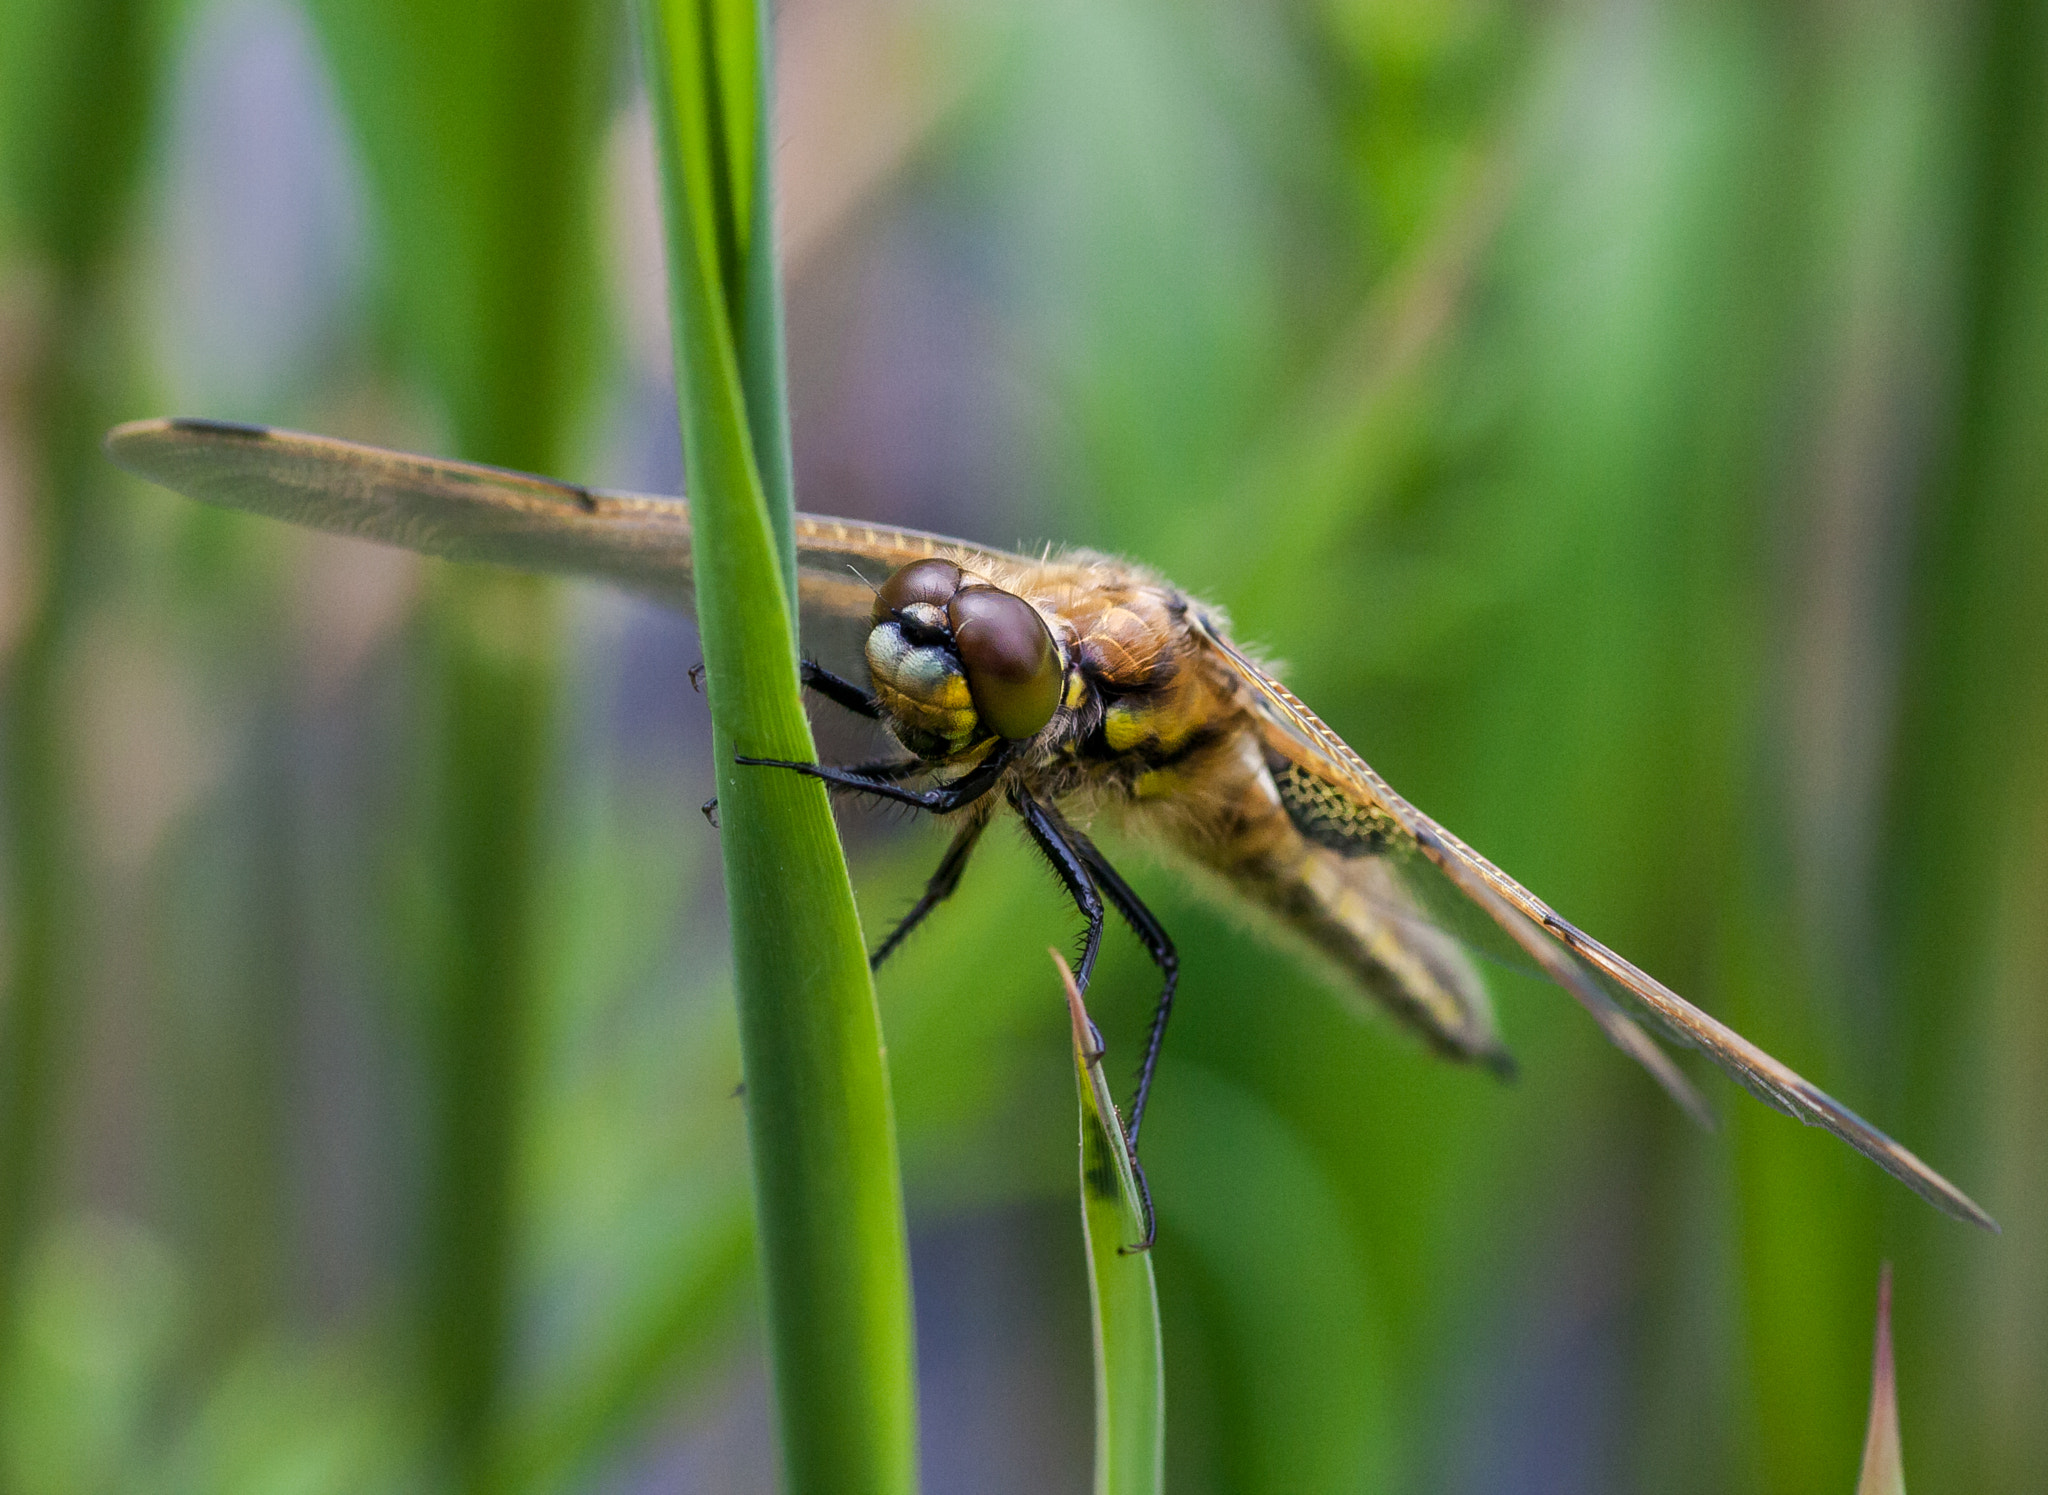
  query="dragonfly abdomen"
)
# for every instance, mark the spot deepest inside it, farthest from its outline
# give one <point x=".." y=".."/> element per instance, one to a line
<point x="1349" y="907"/>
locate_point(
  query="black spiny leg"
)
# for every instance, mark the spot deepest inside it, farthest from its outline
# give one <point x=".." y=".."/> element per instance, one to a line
<point x="882" y="768"/>
<point x="937" y="890"/>
<point x="943" y="800"/>
<point x="1057" y="839"/>
<point x="1050" y="835"/>
<point x="1152" y="935"/>
<point x="839" y="692"/>
<point x="886" y="770"/>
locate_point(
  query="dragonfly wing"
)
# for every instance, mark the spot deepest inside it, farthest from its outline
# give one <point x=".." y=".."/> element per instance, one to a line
<point x="1558" y="947"/>
<point x="467" y="512"/>
<point x="1345" y="812"/>
<point x="1765" y="1077"/>
<point x="457" y="510"/>
<point x="1557" y="966"/>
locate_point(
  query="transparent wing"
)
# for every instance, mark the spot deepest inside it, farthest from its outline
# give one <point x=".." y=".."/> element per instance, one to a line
<point x="1558" y="948"/>
<point x="467" y="512"/>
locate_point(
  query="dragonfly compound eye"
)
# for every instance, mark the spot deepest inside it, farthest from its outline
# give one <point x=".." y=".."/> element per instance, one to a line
<point x="932" y="582"/>
<point x="1013" y="671"/>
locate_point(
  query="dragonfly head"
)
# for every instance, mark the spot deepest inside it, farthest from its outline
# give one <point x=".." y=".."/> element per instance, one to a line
<point x="955" y="660"/>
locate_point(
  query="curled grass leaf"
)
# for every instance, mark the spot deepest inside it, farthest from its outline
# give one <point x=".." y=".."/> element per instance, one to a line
<point x="1130" y="1383"/>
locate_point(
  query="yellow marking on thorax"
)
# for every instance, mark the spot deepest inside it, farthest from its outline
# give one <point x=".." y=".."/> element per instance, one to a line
<point x="1160" y="783"/>
<point x="1164" y="722"/>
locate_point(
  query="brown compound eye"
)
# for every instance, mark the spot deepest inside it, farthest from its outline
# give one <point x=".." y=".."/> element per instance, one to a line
<point x="931" y="581"/>
<point x="1013" y="671"/>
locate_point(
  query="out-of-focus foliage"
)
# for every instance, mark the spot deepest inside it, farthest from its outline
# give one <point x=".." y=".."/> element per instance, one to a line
<point x="477" y="127"/>
<point x="1629" y="421"/>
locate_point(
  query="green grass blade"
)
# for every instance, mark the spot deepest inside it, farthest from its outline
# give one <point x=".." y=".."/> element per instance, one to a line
<point x="758" y="332"/>
<point x="1130" y="1380"/>
<point x="828" y="1193"/>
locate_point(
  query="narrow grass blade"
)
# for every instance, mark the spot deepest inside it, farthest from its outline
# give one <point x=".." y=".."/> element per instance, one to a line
<point x="1130" y="1382"/>
<point x="1883" y="1471"/>
<point x="827" y="1191"/>
<point x="78" y="90"/>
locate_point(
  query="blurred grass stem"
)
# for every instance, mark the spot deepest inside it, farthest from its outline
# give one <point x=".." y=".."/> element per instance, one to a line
<point x="477" y="124"/>
<point x="82" y="93"/>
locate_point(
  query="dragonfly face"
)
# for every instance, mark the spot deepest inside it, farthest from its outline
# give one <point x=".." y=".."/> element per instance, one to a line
<point x="1071" y="685"/>
<point x="955" y="661"/>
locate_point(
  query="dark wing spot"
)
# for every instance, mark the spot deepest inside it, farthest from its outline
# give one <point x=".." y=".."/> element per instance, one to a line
<point x="232" y="428"/>
<point x="1327" y="815"/>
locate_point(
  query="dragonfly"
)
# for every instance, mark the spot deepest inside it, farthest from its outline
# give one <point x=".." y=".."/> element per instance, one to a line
<point x="1065" y="687"/>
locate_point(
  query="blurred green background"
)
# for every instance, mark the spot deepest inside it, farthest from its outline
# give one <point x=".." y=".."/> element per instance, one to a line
<point x="1629" y="421"/>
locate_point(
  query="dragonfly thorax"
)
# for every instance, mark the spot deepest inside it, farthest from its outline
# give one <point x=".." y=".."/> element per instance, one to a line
<point x="955" y="661"/>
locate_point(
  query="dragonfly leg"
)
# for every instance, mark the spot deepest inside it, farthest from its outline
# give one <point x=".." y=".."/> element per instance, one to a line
<point x="887" y="770"/>
<point x="883" y="768"/>
<point x="1062" y="846"/>
<point x="943" y="800"/>
<point x="1152" y="935"/>
<point x="937" y="890"/>
<point x="840" y="692"/>
<point x="1051" y="835"/>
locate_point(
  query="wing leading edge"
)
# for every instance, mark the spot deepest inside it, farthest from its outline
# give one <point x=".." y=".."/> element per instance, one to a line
<point x="464" y="511"/>
<point x="1547" y="937"/>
